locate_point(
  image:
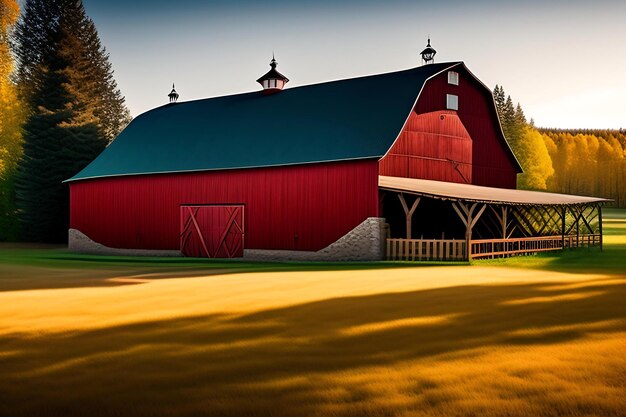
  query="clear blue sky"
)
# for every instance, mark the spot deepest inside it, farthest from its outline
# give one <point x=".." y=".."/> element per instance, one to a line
<point x="563" y="60"/>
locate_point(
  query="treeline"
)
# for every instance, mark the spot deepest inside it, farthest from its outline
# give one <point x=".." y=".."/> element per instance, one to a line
<point x="572" y="161"/>
<point x="60" y="108"/>
<point x="588" y="163"/>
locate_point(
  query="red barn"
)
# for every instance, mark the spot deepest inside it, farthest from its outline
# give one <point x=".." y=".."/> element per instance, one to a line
<point x="298" y="173"/>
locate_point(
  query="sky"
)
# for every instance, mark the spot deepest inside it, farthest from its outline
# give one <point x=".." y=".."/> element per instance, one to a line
<point x="562" y="60"/>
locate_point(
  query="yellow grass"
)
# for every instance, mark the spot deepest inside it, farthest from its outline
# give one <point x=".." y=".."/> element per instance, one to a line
<point x="432" y="341"/>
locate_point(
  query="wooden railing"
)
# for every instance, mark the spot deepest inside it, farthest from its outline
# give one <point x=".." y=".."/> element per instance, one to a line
<point x="496" y="248"/>
<point x="572" y="241"/>
<point x="455" y="250"/>
<point x="426" y="250"/>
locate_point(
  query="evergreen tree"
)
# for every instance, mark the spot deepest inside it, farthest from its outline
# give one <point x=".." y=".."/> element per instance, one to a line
<point x="508" y="121"/>
<point x="507" y="115"/>
<point x="11" y="119"/>
<point x="520" y="118"/>
<point x="32" y="38"/>
<point x="527" y="143"/>
<point x="104" y="98"/>
<point x="61" y="134"/>
<point x="571" y="161"/>
<point x="499" y="98"/>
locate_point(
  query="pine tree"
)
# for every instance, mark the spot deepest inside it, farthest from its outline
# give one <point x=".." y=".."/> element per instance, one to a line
<point x="507" y="115"/>
<point x="40" y="20"/>
<point x="11" y="118"/>
<point x="508" y="121"/>
<point x="499" y="98"/>
<point x="61" y="134"/>
<point x="104" y="98"/>
<point x="526" y="143"/>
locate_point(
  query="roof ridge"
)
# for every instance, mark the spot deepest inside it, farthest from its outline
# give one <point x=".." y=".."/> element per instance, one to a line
<point x="336" y="120"/>
<point x="359" y="77"/>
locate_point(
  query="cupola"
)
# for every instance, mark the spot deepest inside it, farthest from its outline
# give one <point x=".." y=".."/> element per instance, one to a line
<point x="173" y="95"/>
<point x="428" y="54"/>
<point x="273" y="81"/>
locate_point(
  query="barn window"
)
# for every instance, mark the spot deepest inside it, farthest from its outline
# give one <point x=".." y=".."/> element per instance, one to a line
<point x="453" y="77"/>
<point x="452" y="102"/>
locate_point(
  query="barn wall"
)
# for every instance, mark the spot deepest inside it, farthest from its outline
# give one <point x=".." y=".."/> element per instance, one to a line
<point x="433" y="146"/>
<point x="491" y="163"/>
<point x="304" y="207"/>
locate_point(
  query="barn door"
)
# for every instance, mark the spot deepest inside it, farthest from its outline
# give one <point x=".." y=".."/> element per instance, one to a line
<point x="211" y="231"/>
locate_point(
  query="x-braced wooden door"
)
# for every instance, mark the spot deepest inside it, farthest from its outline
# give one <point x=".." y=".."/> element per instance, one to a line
<point x="212" y="231"/>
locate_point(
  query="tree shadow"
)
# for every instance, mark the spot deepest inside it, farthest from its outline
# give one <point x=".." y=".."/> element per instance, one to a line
<point x="238" y="364"/>
<point x="610" y="261"/>
<point x="37" y="269"/>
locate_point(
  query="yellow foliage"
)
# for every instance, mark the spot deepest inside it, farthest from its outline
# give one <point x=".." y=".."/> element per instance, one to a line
<point x="11" y="110"/>
<point x="588" y="164"/>
<point x="535" y="159"/>
<point x="9" y="11"/>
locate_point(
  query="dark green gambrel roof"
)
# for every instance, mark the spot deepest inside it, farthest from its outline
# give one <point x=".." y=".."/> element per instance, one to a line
<point x="356" y="118"/>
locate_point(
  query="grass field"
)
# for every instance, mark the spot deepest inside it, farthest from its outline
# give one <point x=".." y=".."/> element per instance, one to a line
<point x="530" y="336"/>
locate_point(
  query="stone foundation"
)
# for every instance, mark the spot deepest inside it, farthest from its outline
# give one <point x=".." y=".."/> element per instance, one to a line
<point x="81" y="243"/>
<point x="366" y="242"/>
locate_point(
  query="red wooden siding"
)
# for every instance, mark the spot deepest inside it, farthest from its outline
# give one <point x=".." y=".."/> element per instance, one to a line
<point x="433" y="146"/>
<point x="491" y="164"/>
<point x="304" y="207"/>
<point x="212" y="231"/>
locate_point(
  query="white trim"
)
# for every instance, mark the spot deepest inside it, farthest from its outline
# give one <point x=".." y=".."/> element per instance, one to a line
<point x="453" y="78"/>
<point x="452" y="102"/>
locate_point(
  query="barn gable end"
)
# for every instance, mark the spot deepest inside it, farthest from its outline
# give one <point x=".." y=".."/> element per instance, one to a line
<point x="493" y="162"/>
<point x="434" y="146"/>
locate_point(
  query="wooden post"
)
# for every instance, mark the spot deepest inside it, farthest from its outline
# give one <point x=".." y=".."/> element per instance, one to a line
<point x="408" y="212"/>
<point x="469" y="219"/>
<point x="502" y="219"/>
<point x="563" y="217"/>
<point x="505" y="213"/>
<point x="600" y="225"/>
<point x="578" y="231"/>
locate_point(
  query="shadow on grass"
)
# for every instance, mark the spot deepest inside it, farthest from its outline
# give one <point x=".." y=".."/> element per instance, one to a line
<point x="28" y="269"/>
<point x="610" y="261"/>
<point x="274" y="362"/>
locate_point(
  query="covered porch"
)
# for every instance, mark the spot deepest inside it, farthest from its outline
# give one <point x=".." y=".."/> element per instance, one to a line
<point x="433" y="220"/>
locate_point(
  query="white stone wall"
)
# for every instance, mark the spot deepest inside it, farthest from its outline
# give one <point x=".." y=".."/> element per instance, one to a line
<point x="81" y="243"/>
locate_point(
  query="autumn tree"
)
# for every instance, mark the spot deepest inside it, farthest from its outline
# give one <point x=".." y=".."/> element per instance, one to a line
<point x="11" y="119"/>
<point x="527" y="144"/>
<point x="535" y="159"/>
<point x="588" y="162"/>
